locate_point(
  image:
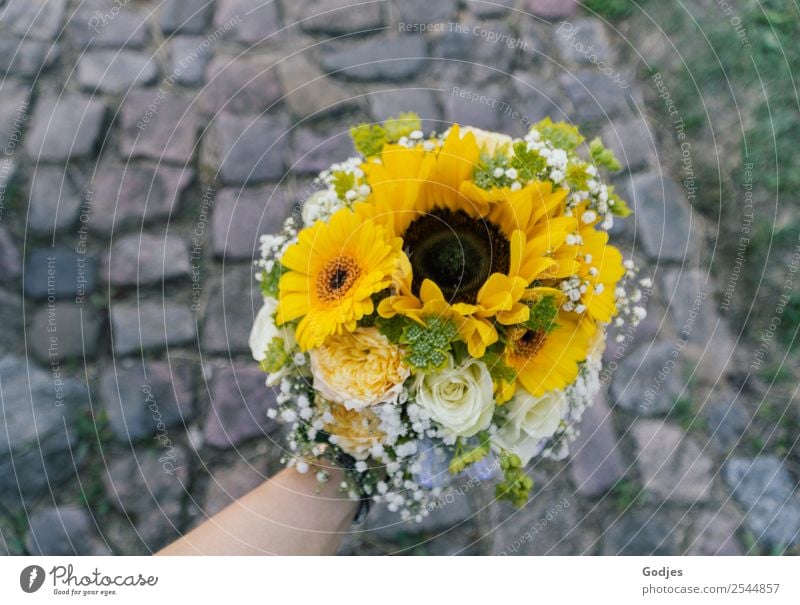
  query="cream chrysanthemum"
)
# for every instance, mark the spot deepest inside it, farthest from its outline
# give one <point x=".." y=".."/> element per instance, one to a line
<point x="355" y="431"/>
<point x="358" y="369"/>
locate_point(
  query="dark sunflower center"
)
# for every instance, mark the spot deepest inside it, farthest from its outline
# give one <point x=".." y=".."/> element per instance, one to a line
<point x="455" y="251"/>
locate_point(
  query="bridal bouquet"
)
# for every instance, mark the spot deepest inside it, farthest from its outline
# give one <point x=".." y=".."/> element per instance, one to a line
<point x="437" y="311"/>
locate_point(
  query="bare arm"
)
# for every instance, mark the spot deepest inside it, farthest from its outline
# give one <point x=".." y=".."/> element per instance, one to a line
<point x="283" y="516"/>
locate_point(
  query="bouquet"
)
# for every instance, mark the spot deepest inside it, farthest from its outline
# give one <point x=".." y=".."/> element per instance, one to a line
<point x="438" y="308"/>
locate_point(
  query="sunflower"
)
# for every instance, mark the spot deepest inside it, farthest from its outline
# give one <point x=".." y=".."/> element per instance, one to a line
<point x="471" y="252"/>
<point x="547" y="358"/>
<point x="334" y="269"/>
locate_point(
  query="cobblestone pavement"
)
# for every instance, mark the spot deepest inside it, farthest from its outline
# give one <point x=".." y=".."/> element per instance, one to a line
<point x="148" y="144"/>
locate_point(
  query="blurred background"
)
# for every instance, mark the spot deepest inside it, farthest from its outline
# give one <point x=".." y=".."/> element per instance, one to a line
<point x="147" y="145"/>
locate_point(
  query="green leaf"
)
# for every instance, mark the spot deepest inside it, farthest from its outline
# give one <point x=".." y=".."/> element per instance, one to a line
<point x="560" y="134"/>
<point x="460" y="351"/>
<point x="270" y="280"/>
<point x="516" y="485"/>
<point x="611" y="9"/>
<point x="276" y="356"/>
<point x="462" y="459"/>
<point x="368" y="139"/>
<point x="401" y="126"/>
<point x="543" y="314"/>
<point x="343" y="182"/>
<point x="617" y="205"/>
<point x="576" y="176"/>
<point x="602" y="156"/>
<point x="392" y="328"/>
<point x="499" y="370"/>
<point x="528" y="164"/>
<point x="483" y="175"/>
<point x="368" y="321"/>
<point x="429" y="345"/>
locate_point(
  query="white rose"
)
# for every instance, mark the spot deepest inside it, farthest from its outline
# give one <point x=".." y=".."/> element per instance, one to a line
<point x="530" y="419"/>
<point x="458" y="398"/>
<point x="264" y="329"/>
<point x="490" y="140"/>
<point x="262" y="334"/>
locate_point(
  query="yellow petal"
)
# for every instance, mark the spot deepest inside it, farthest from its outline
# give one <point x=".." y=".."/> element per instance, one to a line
<point x="430" y="291"/>
<point x="518" y="314"/>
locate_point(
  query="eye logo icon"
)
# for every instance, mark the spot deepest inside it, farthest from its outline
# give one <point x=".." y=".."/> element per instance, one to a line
<point x="31" y="578"/>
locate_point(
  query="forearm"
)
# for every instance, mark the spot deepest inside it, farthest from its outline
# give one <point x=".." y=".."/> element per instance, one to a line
<point x="283" y="516"/>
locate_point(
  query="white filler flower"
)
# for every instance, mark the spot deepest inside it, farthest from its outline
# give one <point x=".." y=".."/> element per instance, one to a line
<point x="458" y="398"/>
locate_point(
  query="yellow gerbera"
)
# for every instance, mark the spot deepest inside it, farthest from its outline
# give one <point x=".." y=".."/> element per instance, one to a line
<point x="547" y="359"/>
<point x="602" y="267"/>
<point x="595" y="267"/>
<point x="334" y="269"/>
<point x="472" y="252"/>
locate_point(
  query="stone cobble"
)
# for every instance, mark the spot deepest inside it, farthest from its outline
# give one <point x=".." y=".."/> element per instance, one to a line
<point x="333" y="18"/>
<point x="65" y="127"/>
<point x="241" y="216"/>
<point x="27" y="19"/>
<point x="597" y="463"/>
<point x="59" y="272"/>
<point x="140" y="326"/>
<point x="248" y="22"/>
<point x="55" y="200"/>
<point x="239" y="405"/>
<point x="149" y="488"/>
<point x="767" y="493"/>
<point x="42" y="412"/>
<point x="24" y="58"/>
<point x="309" y="93"/>
<point x="64" y="531"/>
<point x="649" y="380"/>
<point x="185" y="16"/>
<point x="641" y="532"/>
<point x="159" y="124"/>
<point x="127" y="197"/>
<point x="133" y="191"/>
<point x="64" y="330"/>
<point x="95" y="25"/>
<point x="146" y="400"/>
<point x="397" y="58"/>
<point x="234" y="299"/>
<point x="10" y="258"/>
<point x="244" y="85"/>
<point x="158" y="258"/>
<point x="234" y="148"/>
<point x="115" y="71"/>
<point x="189" y="56"/>
<point x="672" y="464"/>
